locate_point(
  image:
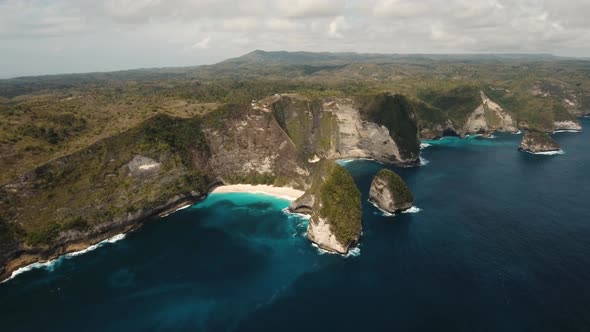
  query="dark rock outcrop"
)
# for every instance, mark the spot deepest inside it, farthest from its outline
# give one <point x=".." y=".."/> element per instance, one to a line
<point x="538" y="142"/>
<point x="390" y="193"/>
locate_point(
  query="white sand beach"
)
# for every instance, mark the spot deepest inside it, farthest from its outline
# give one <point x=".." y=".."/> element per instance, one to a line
<point x="282" y="192"/>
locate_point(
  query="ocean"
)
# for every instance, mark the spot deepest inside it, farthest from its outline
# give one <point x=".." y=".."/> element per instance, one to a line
<point x="499" y="240"/>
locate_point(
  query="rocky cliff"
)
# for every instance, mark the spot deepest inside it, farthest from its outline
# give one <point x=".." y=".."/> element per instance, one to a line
<point x="489" y="117"/>
<point x="538" y="142"/>
<point x="569" y="125"/>
<point x="334" y="203"/>
<point x="390" y="193"/>
<point x="338" y="128"/>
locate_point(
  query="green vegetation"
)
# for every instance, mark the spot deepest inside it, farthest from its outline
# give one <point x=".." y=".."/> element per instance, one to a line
<point x="341" y="203"/>
<point x="66" y="140"/>
<point x="396" y="113"/>
<point x="310" y="129"/>
<point x="10" y="234"/>
<point x="252" y="178"/>
<point x="175" y="134"/>
<point x="399" y="189"/>
<point x="534" y="137"/>
<point x="95" y="184"/>
<point x="457" y="103"/>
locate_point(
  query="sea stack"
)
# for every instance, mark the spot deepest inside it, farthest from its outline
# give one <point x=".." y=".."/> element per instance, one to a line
<point x="538" y="142"/>
<point x="334" y="203"/>
<point x="390" y="193"/>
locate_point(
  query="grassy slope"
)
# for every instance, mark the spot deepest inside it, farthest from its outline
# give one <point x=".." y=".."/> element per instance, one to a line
<point x="94" y="186"/>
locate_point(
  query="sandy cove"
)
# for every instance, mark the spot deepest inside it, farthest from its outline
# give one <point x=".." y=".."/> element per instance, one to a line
<point x="287" y="193"/>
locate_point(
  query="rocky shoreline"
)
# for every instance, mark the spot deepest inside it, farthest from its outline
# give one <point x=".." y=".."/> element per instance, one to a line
<point x="81" y="241"/>
<point x="26" y="257"/>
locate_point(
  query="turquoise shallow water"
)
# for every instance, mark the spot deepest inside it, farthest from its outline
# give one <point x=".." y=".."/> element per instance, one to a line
<point x="500" y="244"/>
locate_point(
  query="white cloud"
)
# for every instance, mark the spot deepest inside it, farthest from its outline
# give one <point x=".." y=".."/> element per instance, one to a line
<point x="119" y="34"/>
<point x="203" y="44"/>
<point x="336" y="26"/>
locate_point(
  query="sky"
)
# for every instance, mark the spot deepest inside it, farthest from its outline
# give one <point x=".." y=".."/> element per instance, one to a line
<point x="67" y="36"/>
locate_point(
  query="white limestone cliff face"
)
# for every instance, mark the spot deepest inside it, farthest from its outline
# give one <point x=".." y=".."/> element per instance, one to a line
<point x="567" y="125"/>
<point x="489" y="117"/>
<point x="476" y="123"/>
<point x="319" y="233"/>
<point x="356" y="138"/>
<point x="507" y="123"/>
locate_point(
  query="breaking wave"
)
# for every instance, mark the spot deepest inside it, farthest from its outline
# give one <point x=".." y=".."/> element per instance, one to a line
<point x="352" y="252"/>
<point x="547" y="153"/>
<point x="424" y="145"/>
<point x="50" y="264"/>
<point x="383" y="212"/>
<point x="424" y="161"/>
<point x="567" y="131"/>
<point x="413" y="209"/>
<point x="295" y="214"/>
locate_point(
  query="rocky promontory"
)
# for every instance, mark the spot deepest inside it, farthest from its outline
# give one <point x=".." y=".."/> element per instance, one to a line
<point x="538" y="142"/>
<point x="390" y="193"/>
<point x="567" y="126"/>
<point x="334" y="203"/>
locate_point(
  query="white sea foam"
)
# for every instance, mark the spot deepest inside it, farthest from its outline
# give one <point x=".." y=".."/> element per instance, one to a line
<point x="353" y="252"/>
<point x="424" y="161"/>
<point x="547" y="153"/>
<point x="49" y="265"/>
<point x="183" y="207"/>
<point x="343" y="162"/>
<point x="297" y="215"/>
<point x="383" y="212"/>
<point x="413" y="209"/>
<point x="320" y="250"/>
<point x="567" y="131"/>
<point x="517" y="133"/>
<point x="424" y="146"/>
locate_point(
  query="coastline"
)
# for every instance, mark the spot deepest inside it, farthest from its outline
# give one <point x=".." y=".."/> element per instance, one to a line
<point x="26" y="260"/>
<point x="287" y="193"/>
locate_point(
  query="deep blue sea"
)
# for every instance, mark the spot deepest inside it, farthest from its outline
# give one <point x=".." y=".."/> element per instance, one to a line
<point x="501" y="243"/>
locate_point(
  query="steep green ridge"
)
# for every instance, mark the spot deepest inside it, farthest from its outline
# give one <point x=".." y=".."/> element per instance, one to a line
<point x="456" y="103"/>
<point x="341" y="204"/>
<point x="337" y="200"/>
<point x="397" y="114"/>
